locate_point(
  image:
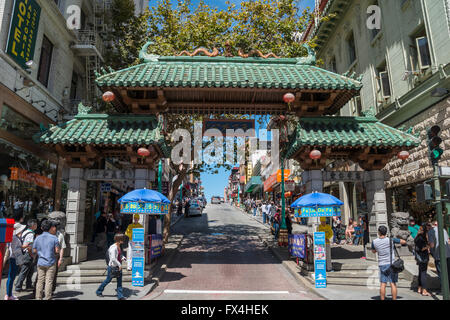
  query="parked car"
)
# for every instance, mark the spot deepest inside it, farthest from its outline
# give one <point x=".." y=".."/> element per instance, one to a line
<point x="195" y="208"/>
<point x="222" y="199"/>
<point x="215" y="200"/>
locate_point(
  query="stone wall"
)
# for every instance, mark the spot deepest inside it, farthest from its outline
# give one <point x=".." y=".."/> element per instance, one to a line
<point x="417" y="167"/>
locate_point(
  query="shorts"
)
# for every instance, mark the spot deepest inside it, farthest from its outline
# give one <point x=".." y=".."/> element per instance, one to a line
<point x="387" y="275"/>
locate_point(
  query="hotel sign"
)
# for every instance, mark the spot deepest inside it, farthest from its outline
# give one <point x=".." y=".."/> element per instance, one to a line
<point x="23" y="31"/>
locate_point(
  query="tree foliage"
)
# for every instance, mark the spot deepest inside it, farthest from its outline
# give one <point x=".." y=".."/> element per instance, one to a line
<point x="265" y="25"/>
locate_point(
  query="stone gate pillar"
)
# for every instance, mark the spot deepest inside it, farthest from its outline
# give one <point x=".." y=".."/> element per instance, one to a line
<point x="313" y="181"/>
<point x="376" y="202"/>
<point x="76" y="204"/>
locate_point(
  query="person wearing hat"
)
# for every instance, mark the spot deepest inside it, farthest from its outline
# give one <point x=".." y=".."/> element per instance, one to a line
<point x="129" y="234"/>
<point x="15" y="251"/>
<point x="413" y="227"/>
<point x="324" y="227"/>
<point x="47" y="247"/>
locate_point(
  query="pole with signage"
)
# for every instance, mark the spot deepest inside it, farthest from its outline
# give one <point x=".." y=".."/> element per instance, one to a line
<point x="320" y="260"/>
<point x="138" y="260"/>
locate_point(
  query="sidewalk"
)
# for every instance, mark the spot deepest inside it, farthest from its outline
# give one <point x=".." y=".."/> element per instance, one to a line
<point x="77" y="291"/>
<point x="340" y="292"/>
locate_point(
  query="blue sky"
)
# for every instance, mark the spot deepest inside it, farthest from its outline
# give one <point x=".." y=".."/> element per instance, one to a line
<point x="215" y="183"/>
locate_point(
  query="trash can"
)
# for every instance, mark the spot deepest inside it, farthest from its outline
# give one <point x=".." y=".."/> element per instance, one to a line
<point x="6" y="233"/>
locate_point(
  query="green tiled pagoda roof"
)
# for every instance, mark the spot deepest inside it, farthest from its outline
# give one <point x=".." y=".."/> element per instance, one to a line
<point x="227" y="72"/>
<point x="348" y="132"/>
<point x="103" y="129"/>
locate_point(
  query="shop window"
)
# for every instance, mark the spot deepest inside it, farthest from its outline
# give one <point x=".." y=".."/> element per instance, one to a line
<point x="45" y="61"/>
<point x="17" y="124"/>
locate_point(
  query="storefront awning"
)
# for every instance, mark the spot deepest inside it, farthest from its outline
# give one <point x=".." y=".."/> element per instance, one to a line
<point x="252" y="184"/>
<point x="274" y="179"/>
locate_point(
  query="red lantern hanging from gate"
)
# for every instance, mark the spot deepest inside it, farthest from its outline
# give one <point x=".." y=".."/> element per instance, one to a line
<point x="315" y="154"/>
<point x="143" y="152"/>
<point x="403" y="155"/>
<point x="108" y="96"/>
<point x="288" y="98"/>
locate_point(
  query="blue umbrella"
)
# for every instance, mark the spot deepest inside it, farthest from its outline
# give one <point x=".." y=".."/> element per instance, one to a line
<point x="144" y="195"/>
<point x="144" y="201"/>
<point x="318" y="204"/>
<point x="317" y="199"/>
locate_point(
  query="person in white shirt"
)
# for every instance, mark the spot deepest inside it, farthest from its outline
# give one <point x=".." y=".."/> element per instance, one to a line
<point x="27" y="269"/>
<point x="114" y="266"/>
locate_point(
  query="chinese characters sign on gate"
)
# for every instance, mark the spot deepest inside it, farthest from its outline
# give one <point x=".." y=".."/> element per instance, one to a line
<point x="23" y="31"/>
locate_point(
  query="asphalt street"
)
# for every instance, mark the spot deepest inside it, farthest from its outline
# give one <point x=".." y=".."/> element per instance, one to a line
<point x="221" y="257"/>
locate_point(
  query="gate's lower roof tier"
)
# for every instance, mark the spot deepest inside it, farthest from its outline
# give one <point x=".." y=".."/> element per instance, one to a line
<point x="362" y="139"/>
<point x="90" y="137"/>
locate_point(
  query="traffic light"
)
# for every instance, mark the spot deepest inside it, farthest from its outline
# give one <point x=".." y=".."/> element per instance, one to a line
<point x="434" y="151"/>
<point x="424" y="192"/>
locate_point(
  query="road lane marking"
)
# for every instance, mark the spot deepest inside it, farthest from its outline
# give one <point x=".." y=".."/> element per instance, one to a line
<point x="225" y="291"/>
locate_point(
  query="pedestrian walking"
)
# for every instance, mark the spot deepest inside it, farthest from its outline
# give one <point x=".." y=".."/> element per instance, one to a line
<point x="421" y="254"/>
<point x="336" y="225"/>
<point x="276" y="223"/>
<point x="129" y="234"/>
<point x="179" y="208"/>
<point x="111" y="228"/>
<point x="186" y="207"/>
<point x="28" y="263"/>
<point x="288" y="221"/>
<point x="384" y="246"/>
<point x="100" y="238"/>
<point x="62" y="242"/>
<point x="264" y="212"/>
<point x="413" y="227"/>
<point x="366" y="240"/>
<point x="254" y="207"/>
<point x="15" y="252"/>
<point x="326" y="228"/>
<point x="47" y="247"/>
<point x="114" y="269"/>
<point x="433" y="239"/>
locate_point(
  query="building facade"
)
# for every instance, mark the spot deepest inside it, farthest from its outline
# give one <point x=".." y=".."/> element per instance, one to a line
<point x="402" y="51"/>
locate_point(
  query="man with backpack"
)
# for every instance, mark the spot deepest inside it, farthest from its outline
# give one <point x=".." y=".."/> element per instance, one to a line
<point x="385" y="248"/>
<point x="28" y="263"/>
<point x="114" y="260"/>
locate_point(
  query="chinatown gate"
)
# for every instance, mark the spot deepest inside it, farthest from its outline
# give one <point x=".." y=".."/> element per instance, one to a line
<point x="213" y="83"/>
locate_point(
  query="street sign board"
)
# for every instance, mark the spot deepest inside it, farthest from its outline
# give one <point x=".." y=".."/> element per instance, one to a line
<point x="444" y="172"/>
<point x="106" y="187"/>
<point x="320" y="260"/>
<point x="138" y="260"/>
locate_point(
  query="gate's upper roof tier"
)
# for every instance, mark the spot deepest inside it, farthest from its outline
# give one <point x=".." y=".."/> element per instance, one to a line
<point x="221" y="84"/>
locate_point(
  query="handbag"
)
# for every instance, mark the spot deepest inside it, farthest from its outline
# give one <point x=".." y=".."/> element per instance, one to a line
<point x="115" y="272"/>
<point x="398" y="265"/>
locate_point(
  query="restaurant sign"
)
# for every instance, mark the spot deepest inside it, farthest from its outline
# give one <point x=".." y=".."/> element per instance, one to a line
<point x="23" y="31"/>
<point x="18" y="174"/>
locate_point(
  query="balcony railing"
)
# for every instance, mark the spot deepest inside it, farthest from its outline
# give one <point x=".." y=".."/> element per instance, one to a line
<point x="90" y="38"/>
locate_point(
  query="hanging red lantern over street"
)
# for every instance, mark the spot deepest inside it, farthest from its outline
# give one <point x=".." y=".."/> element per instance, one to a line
<point x="143" y="152"/>
<point x="288" y="97"/>
<point x="108" y="96"/>
<point x="315" y="154"/>
<point x="403" y="155"/>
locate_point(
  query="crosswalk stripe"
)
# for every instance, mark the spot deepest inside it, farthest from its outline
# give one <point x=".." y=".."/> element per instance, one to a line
<point x="225" y="291"/>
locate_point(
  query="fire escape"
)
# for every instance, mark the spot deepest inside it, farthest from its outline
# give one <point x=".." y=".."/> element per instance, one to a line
<point x="90" y="46"/>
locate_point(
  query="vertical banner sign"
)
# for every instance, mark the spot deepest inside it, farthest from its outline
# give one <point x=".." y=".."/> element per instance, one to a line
<point x="137" y="254"/>
<point x="320" y="260"/>
<point x="23" y="31"/>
